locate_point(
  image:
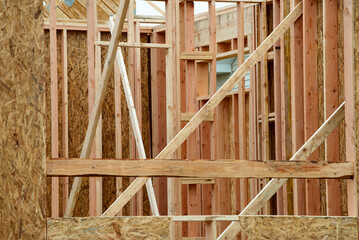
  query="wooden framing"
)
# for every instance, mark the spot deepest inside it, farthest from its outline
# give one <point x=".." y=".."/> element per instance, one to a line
<point x="98" y="101"/>
<point x="199" y="168"/>
<point x="208" y="113"/>
<point x="54" y="108"/>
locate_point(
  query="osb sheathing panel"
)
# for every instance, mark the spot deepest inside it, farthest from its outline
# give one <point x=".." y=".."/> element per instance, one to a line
<point x="78" y="114"/>
<point x="276" y="227"/>
<point x="138" y="228"/>
<point x="22" y="121"/>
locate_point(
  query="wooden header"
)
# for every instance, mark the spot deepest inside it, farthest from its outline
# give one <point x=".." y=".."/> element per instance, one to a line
<point x="199" y="168"/>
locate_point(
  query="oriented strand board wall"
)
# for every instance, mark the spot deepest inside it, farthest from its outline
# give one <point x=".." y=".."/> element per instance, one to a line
<point x="138" y="228"/>
<point x="266" y="227"/>
<point x="22" y="121"/>
<point x="78" y="114"/>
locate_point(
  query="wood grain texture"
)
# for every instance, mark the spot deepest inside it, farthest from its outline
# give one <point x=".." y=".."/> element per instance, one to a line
<point x="265" y="227"/>
<point x="109" y="228"/>
<point x="200" y="168"/>
<point x="22" y="121"/>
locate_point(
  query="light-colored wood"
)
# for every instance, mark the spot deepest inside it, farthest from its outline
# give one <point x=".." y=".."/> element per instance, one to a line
<point x="185" y="117"/>
<point x="331" y="98"/>
<point x="211" y="230"/>
<point x="135" y="45"/>
<point x="91" y="94"/>
<point x="24" y="120"/>
<point x="299" y="227"/>
<point x="310" y="93"/>
<point x="65" y="115"/>
<point x="199" y="168"/>
<point x="118" y="128"/>
<point x="191" y="55"/>
<point x="100" y="96"/>
<point x="109" y="228"/>
<point x="296" y="42"/>
<point x="350" y="48"/>
<point x="212" y="103"/>
<point x="54" y="108"/>
<point x="302" y="154"/>
<point x="157" y="8"/>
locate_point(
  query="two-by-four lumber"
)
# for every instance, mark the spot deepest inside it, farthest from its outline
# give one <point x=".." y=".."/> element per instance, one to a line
<point x="135" y="45"/>
<point x="186" y="117"/>
<point x="310" y="98"/>
<point x="65" y="116"/>
<point x="302" y="154"/>
<point x="199" y="168"/>
<point x="54" y="108"/>
<point x="100" y="96"/>
<point x="331" y="98"/>
<point x="350" y="13"/>
<point x="176" y="142"/>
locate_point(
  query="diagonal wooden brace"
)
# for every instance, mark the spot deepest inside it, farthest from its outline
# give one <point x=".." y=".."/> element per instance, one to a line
<point x="211" y="104"/>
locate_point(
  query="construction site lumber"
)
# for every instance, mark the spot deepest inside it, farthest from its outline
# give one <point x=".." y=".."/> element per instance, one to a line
<point x="100" y="96"/>
<point x="199" y="168"/>
<point x="256" y="227"/>
<point x="273" y="186"/>
<point x="174" y="144"/>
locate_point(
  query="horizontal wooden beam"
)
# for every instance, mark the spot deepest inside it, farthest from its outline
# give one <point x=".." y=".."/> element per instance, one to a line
<point x="200" y="55"/>
<point x="135" y="45"/>
<point x="185" y="117"/>
<point x="199" y="168"/>
<point x="257" y="227"/>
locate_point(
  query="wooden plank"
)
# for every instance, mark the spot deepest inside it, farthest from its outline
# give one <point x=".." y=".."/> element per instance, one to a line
<point x="65" y="115"/>
<point x="23" y="119"/>
<point x="331" y="98"/>
<point x="186" y="117"/>
<point x="109" y="228"/>
<point x="193" y="148"/>
<point x="118" y="127"/>
<point x="100" y="96"/>
<point x="199" y="168"/>
<point x="135" y="45"/>
<point x="299" y="227"/>
<point x="54" y="108"/>
<point x="214" y="101"/>
<point x="91" y="94"/>
<point x="350" y="73"/>
<point x="310" y="93"/>
<point x="273" y="186"/>
<point x="297" y="105"/>
<point x="191" y="55"/>
<point x="286" y="109"/>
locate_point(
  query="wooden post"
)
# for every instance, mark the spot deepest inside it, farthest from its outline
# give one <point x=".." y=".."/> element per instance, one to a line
<point x="174" y="185"/>
<point x="54" y="108"/>
<point x="242" y="184"/>
<point x="118" y="128"/>
<point x="297" y="104"/>
<point x="277" y="100"/>
<point x="310" y="90"/>
<point x="286" y="109"/>
<point x="91" y="13"/>
<point x="351" y="12"/>
<point x="331" y="98"/>
<point x="65" y="115"/>
<point x="194" y="228"/>
<point x="23" y="120"/>
<point x="212" y="90"/>
<point x="158" y="94"/>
